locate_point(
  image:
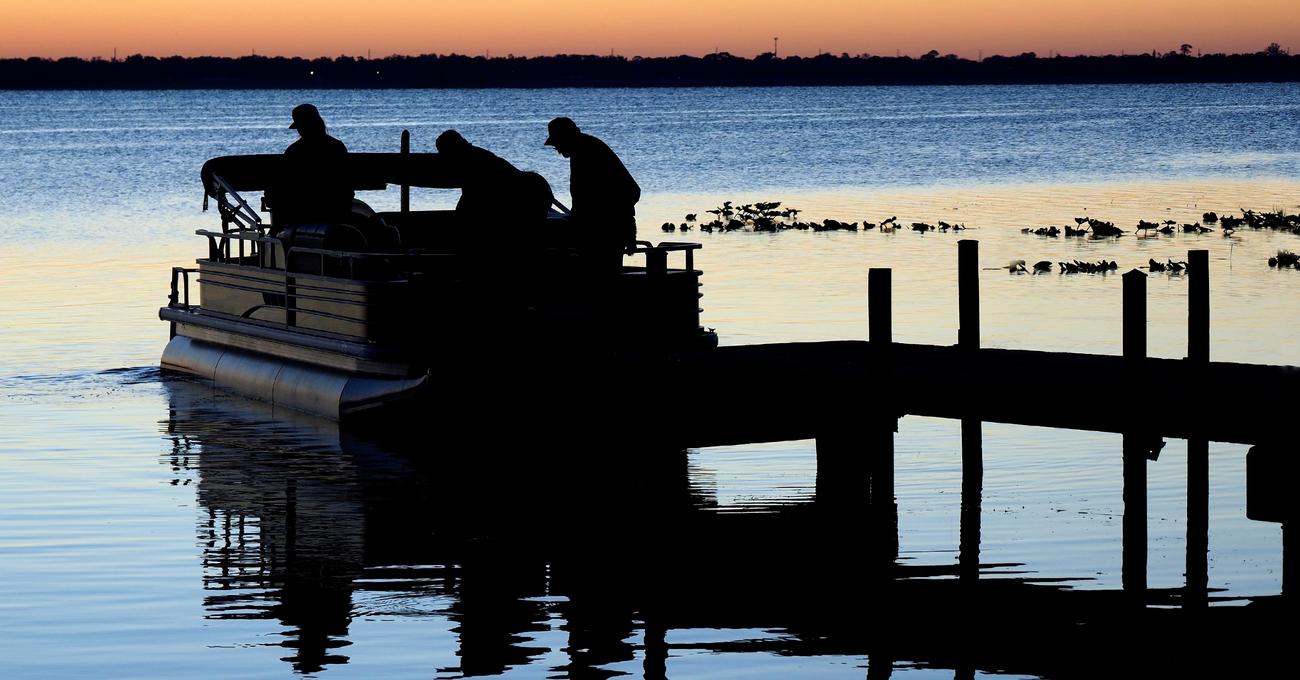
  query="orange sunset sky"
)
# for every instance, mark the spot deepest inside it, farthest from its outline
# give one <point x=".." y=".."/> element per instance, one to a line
<point x="54" y="28"/>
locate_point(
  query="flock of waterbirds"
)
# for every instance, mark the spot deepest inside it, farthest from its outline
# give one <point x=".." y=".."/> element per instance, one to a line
<point x="772" y="217"/>
<point x="1095" y="228"/>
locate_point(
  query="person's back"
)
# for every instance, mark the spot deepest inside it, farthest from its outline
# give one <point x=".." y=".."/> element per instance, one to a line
<point x="484" y="177"/>
<point x="604" y="193"/>
<point x="600" y="185"/>
<point x="316" y="186"/>
<point x="494" y="193"/>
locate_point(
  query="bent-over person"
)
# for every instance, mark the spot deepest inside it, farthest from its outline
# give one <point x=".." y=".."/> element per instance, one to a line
<point x="604" y="194"/>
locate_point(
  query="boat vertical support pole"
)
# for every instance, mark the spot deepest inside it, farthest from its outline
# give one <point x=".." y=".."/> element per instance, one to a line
<point x="172" y="299"/>
<point x="972" y="436"/>
<point x="406" y="188"/>
<point x="1136" y="444"/>
<point x="291" y="300"/>
<point x="883" y="422"/>
<point x="1198" y="448"/>
<point x="656" y="262"/>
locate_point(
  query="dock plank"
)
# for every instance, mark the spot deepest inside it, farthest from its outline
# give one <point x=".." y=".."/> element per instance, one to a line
<point x="786" y="391"/>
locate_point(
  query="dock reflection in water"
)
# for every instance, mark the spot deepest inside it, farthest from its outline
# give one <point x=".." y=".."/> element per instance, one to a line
<point x="592" y="559"/>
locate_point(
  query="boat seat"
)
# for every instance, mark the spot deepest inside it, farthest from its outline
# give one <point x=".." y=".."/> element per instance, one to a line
<point x="381" y="237"/>
<point x="371" y="236"/>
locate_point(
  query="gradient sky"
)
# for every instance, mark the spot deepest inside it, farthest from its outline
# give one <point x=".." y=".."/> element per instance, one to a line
<point x="53" y="28"/>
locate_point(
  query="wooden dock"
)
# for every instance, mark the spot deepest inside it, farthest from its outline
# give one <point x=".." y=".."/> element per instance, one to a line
<point x="794" y="390"/>
<point x="849" y="395"/>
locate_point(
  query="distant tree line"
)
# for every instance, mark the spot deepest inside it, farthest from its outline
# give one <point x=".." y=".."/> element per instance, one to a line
<point x="1272" y="64"/>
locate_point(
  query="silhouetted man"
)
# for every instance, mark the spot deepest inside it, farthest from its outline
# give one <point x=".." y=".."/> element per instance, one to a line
<point x="494" y="193"/>
<point x="604" y="193"/>
<point x="316" y="187"/>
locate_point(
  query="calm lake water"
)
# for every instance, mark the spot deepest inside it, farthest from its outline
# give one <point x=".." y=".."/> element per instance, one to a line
<point x="149" y="528"/>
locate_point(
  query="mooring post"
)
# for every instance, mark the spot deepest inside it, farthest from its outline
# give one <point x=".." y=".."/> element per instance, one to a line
<point x="884" y="422"/>
<point x="1198" y="447"/>
<point x="880" y="315"/>
<point x="1136" y="445"/>
<point x="972" y="446"/>
<point x="1198" y="306"/>
<point x="968" y="294"/>
<point x="406" y="188"/>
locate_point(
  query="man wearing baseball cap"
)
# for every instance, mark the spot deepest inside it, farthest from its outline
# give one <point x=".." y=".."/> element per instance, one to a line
<point x="316" y="187"/>
<point x="604" y="193"/>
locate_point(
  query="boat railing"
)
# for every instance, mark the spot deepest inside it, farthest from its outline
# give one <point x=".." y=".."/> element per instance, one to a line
<point x="656" y="256"/>
<point x="179" y="298"/>
<point x="256" y="249"/>
<point x="294" y="295"/>
<point x="238" y="212"/>
<point x="252" y="249"/>
<point x="252" y="245"/>
<point x="289" y="297"/>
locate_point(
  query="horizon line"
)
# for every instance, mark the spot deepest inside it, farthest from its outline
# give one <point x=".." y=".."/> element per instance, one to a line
<point x="613" y="54"/>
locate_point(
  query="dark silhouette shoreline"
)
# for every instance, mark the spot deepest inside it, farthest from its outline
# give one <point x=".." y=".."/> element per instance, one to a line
<point x="138" y="72"/>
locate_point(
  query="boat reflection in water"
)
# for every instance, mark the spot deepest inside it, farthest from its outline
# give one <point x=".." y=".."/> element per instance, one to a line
<point x="597" y="559"/>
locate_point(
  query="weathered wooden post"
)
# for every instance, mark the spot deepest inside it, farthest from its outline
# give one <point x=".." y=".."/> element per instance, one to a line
<point x="406" y="188"/>
<point x="883" y="423"/>
<point x="972" y="445"/>
<point x="1136" y="446"/>
<point x="968" y="294"/>
<point x="880" y="314"/>
<point x="1198" y="306"/>
<point x="1198" y="447"/>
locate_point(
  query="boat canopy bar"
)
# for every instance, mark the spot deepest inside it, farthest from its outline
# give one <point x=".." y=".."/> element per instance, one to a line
<point x="366" y="171"/>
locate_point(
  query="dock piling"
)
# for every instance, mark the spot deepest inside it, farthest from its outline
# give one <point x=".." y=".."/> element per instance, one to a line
<point x="883" y="422"/>
<point x="880" y="321"/>
<point x="406" y="188"/>
<point x="1198" y="448"/>
<point x="972" y="446"/>
<point x="968" y="294"/>
<point x="1198" y="305"/>
<point x="1136" y="445"/>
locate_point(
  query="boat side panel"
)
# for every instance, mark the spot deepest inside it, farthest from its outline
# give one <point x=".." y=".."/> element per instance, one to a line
<point x="242" y="291"/>
<point x="322" y="303"/>
<point x="291" y="352"/>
